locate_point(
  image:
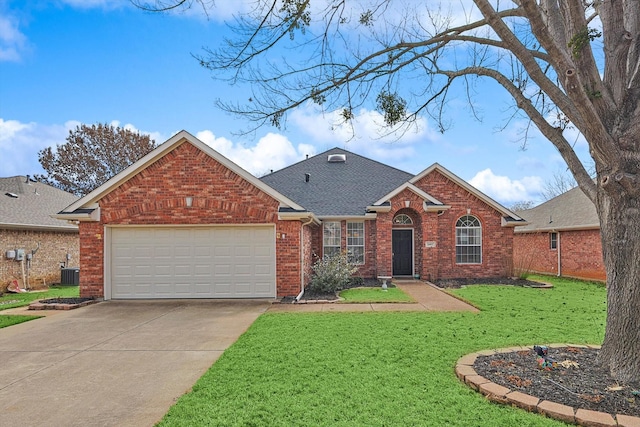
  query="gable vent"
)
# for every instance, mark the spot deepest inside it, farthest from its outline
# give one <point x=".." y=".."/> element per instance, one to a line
<point x="337" y="158"/>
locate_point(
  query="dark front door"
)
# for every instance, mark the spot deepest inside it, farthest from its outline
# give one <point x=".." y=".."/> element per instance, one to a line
<point x="402" y="246"/>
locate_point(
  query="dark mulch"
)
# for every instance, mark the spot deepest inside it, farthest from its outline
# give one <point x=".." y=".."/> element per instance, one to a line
<point x="458" y="283"/>
<point x="65" y="300"/>
<point x="588" y="386"/>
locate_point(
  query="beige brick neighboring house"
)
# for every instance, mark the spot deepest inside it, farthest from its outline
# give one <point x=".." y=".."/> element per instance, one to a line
<point x="562" y="238"/>
<point x="26" y="225"/>
<point x="186" y="222"/>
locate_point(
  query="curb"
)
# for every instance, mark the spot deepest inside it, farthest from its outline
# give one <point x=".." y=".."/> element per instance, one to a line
<point x="503" y="395"/>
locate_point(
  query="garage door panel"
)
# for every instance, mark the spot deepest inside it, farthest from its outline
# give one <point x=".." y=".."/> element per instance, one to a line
<point x="193" y="262"/>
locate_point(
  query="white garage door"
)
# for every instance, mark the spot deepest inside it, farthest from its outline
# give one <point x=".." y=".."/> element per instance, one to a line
<point x="193" y="262"/>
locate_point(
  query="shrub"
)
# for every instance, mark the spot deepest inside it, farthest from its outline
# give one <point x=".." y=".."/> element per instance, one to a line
<point x="331" y="273"/>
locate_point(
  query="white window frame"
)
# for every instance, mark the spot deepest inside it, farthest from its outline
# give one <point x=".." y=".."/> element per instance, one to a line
<point x="331" y="232"/>
<point x="553" y="240"/>
<point x="402" y="219"/>
<point x="467" y="237"/>
<point x="355" y="242"/>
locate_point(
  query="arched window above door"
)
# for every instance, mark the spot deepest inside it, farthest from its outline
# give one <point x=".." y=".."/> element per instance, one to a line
<point x="402" y="219"/>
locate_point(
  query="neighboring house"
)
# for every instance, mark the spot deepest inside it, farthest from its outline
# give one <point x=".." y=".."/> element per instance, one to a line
<point x="562" y="237"/>
<point x="185" y="222"/>
<point x="28" y="232"/>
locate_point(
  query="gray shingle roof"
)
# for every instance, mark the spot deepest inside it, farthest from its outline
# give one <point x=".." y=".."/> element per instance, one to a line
<point x="336" y="189"/>
<point x="570" y="210"/>
<point x="34" y="204"/>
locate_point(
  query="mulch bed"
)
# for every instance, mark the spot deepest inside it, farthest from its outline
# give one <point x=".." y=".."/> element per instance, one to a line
<point x="61" y="303"/>
<point x="585" y="386"/>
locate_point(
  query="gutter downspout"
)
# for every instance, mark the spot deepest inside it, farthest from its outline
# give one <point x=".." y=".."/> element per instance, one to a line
<point x="559" y="257"/>
<point x="302" y="258"/>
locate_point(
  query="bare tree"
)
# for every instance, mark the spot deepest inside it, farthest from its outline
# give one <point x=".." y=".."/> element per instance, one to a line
<point x="522" y="205"/>
<point x="559" y="183"/>
<point x="92" y="155"/>
<point x="565" y="63"/>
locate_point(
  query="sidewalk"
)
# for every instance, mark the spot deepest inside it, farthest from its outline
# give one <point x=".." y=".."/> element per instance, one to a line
<point x="428" y="297"/>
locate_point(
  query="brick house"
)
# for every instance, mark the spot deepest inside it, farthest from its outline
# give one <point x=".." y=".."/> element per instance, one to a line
<point x="34" y="245"/>
<point x="185" y="222"/>
<point x="562" y="237"/>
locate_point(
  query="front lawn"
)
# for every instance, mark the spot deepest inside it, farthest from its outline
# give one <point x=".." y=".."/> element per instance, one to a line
<point x="374" y="295"/>
<point x="385" y="368"/>
<point x="10" y="300"/>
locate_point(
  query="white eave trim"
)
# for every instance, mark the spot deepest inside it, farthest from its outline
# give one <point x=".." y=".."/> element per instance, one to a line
<point x="36" y="227"/>
<point x="435" y="208"/>
<point x="298" y="216"/>
<point x="367" y="216"/>
<point x="408" y="186"/>
<point x="92" y="198"/>
<point x="381" y="209"/>
<point x="557" y="229"/>
<point x="80" y="216"/>
<point x="516" y="223"/>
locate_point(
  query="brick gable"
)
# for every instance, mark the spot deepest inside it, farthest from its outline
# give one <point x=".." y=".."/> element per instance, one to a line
<point x="157" y="196"/>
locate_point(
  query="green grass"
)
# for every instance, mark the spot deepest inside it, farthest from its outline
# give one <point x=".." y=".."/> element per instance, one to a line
<point x="27" y="298"/>
<point x="10" y="320"/>
<point x="374" y="295"/>
<point x="9" y="300"/>
<point x="384" y="368"/>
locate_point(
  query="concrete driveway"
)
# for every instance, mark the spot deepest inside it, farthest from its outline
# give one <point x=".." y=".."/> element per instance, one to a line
<point x="116" y="363"/>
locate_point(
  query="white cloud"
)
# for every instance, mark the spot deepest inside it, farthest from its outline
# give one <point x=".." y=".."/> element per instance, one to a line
<point x="272" y="152"/>
<point x="12" y="40"/>
<point x="365" y="134"/>
<point x="21" y="142"/>
<point x="156" y="136"/>
<point x="505" y="190"/>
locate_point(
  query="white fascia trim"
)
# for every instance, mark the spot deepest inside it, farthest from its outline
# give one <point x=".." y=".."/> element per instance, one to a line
<point x="408" y="186"/>
<point x="471" y="189"/>
<point x="35" y="227"/>
<point x="435" y="208"/>
<point x="382" y="209"/>
<point x="161" y="150"/>
<point x="558" y="229"/>
<point x="94" y="216"/>
<point x="367" y="216"/>
<point x="298" y="216"/>
<point x="505" y="223"/>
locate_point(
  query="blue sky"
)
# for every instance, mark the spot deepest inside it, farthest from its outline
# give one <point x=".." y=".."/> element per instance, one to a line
<point x="68" y="62"/>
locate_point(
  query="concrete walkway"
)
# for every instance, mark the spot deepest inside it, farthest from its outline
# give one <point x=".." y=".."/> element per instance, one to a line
<point x="116" y="363"/>
<point x="428" y="297"/>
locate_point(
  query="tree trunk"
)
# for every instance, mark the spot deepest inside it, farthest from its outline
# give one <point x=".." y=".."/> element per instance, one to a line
<point x="619" y="212"/>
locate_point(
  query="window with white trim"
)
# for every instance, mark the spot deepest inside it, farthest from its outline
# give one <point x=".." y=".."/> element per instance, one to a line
<point x="468" y="240"/>
<point x="355" y="242"/>
<point x="553" y="240"/>
<point x="402" y="219"/>
<point x="331" y="238"/>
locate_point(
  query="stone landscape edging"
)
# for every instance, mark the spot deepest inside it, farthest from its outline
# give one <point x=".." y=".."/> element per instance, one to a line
<point x="503" y="395"/>
<point x="59" y="306"/>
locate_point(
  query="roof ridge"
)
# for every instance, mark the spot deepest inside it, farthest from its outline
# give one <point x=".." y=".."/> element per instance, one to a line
<point x="341" y="149"/>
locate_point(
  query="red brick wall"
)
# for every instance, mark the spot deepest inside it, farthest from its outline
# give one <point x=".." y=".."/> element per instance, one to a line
<point x="497" y="241"/>
<point x="45" y="264"/>
<point x="288" y="258"/>
<point x="581" y="254"/>
<point x="157" y="195"/>
<point x="308" y="254"/>
<point x="91" y="260"/>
